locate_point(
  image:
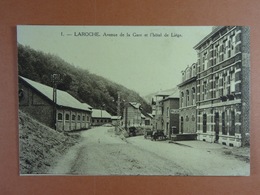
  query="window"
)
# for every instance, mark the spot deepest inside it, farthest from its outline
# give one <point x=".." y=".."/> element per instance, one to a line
<point x="224" y="132"/>
<point x="73" y="117"/>
<point x="221" y="58"/>
<point x="188" y="73"/>
<point x="147" y="122"/>
<point x="204" y="123"/>
<point x="229" y="53"/>
<point x="221" y="87"/>
<point x="187" y="98"/>
<point x="168" y="111"/>
<point x="193" y="70"/>
<point x="193" y="96"/>
<point x="83" y="117"/>
<point x="216" y="88"/>
<point x="78" y="117"/>
<point x="183" y="76"/>
<point x="232" y="82"/>
<point x="182" y="99"/>
<point x="204" y="90"/>
<point x="67" y="117"/>
<point x="60" y="116"/>
<point x="225" y="44"/>
<point x="205" y="61"/>
<point x="87" y="118"/>
<point x="225" y="81"/>
<point x="232" y="128"/>
<point x="217" y="51"/>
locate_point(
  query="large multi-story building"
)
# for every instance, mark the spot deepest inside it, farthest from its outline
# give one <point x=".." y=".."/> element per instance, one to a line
<point x="165" y="106"/>
<point x="157" y="113"/>
<point x="223" y="85"/>
<point x="187" y="88"/>
<point x="170" y="114"/>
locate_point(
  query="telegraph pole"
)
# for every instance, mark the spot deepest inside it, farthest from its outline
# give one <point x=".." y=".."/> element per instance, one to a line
<point x="55" y="78"/>
<point x="126" y="107"/>
<point x="118" y="111"/>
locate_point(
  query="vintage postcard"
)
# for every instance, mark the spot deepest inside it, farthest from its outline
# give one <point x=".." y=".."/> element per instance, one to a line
<point x="134" y="100"/>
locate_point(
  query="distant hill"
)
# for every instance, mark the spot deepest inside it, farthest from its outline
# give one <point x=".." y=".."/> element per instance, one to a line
<point x="148" y="98"/>
<point x="80" y="83"/>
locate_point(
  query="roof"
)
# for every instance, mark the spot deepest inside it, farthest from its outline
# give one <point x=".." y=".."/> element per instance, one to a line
<point x="215" y="30"/>
<point x="116" y="117"/>
<point x="150" y="115"/>
<point x="164" y="93"/>
<point x="188" y="81"/>
<point x="97" y="113"/>
<point x="173" y="95"/>
<point x="142" y="116"/>
<point x="63" y="98"/>
<point x="135" y="104"/>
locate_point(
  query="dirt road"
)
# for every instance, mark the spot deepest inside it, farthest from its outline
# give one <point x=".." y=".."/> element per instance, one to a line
<point x="102" y="153"/>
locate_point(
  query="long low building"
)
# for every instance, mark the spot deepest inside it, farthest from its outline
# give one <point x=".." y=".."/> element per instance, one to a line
<point x="100" y="117"/>
<point x="66" y="114"/>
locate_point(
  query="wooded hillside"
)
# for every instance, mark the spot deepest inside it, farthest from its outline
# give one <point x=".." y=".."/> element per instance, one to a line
<point x="80" y="83"/>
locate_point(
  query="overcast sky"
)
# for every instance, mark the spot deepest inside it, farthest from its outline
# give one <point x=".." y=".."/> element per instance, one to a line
<point x="146" y="63"/>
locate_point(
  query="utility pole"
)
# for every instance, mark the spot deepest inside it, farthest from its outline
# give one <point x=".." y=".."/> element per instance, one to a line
<point x="55" y="78"/>
<point x="102" y="106"/>
<point x="118" y="111"/>
<point x="126" y="112"/>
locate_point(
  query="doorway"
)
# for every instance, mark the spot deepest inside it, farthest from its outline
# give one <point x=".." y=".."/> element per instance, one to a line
<point x="181" y="124"/>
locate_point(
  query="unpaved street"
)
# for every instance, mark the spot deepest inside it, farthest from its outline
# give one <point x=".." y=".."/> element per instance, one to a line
<point x="102" y="153"/>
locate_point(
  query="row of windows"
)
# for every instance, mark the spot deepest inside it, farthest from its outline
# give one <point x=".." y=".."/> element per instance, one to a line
<point x="224" y="118"/>
<point x="187" y="118"/>
<point x="101" y="120"/>
<point x="187" y="99"/>
<point x="220" y="52"/>
<point x="189" y="72"/>
<point x="73" y="117"/>
<point x="220" y="87"/>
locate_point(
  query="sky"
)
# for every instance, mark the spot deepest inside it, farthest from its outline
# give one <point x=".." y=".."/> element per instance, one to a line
<point x="146" y="59"/>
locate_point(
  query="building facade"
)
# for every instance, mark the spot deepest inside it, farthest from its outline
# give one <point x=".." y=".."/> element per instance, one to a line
<point x="148" y="121"/>
<point x="223" y="85"/>
<point x="66" y="114"/>
<point x="187" y="107"/>
<point x="157" y="107"/>
<point x="132" y="114"/>
<point x="170" y="115"/>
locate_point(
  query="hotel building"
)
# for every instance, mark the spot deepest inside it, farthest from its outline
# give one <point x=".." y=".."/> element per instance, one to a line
<point x="222" y="92"/>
